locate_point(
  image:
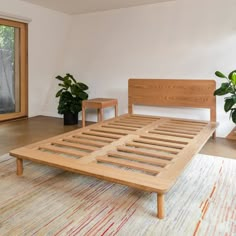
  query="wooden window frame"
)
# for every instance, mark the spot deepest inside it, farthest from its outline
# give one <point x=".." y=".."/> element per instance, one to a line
<point x="23" y="70"/>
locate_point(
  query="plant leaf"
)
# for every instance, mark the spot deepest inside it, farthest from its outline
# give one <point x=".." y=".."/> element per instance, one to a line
<point x="60" y="78"/>
<point x="82" y="86"/>
<point x="229" y="103"/>
<point x="72" y="77"/>
<point x="67" y="82"/>
<point x="233" y="115"/>
<point x="74" y="89"/>
<point x="234" y="97"/>
<point x="233" y="78"/>
<point x="231" y="73"/>
<point x="83" y="95"/>
<point x="76" y="106"/>
<point x="59" y="92"/>
<point x="224" y="89"/>
<point x="62" y="85"/>
<point x="219" y="74"/>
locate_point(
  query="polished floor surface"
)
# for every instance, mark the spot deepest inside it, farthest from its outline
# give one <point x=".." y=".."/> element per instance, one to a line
<point x="18" y="133"/>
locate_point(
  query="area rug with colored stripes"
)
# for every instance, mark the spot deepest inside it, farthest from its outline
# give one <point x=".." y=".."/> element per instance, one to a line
<point x="49" y="201"/>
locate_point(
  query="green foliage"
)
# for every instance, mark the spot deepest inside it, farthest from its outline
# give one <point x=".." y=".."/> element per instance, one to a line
<point x="71" y="94"/>
<point x="7" y="38"/>
<point x="228" y="88"/>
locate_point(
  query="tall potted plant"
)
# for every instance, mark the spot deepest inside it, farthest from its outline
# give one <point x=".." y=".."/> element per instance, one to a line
<point x="228" y="88"/>
<point x="70" y="96"/>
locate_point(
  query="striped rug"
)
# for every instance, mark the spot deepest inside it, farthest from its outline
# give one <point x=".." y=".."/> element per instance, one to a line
<point x="48" y="201"/>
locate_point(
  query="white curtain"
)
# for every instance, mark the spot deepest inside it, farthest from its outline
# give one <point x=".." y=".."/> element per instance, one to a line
<point x="7" y="97"/>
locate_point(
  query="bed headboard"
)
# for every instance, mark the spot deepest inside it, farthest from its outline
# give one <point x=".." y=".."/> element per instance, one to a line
<point x="173" y="93"/>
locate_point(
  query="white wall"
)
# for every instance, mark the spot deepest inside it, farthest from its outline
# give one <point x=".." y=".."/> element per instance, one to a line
<point x="48" y="31"/>
<point x="180" y="39"/>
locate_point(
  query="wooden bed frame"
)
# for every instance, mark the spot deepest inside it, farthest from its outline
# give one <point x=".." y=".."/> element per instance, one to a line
<point x="144" y="152"/>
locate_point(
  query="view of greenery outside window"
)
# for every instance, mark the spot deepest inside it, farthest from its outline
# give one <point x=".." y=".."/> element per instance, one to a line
<point x="7" y="68"/>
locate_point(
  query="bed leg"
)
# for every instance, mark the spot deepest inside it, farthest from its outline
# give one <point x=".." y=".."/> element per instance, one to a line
<point x="214" y="135"/>
<point x="160" y="206"/>
<point x="19" y="166"/>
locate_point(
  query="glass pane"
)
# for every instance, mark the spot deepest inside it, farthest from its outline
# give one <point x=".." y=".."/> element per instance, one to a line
<point x="9" y="70"/>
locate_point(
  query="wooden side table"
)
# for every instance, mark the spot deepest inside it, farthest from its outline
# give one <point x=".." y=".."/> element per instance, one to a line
<point x="99" y="104"/>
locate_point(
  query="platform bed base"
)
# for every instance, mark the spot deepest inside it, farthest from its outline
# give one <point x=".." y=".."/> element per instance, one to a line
<point x="143" y="152"/>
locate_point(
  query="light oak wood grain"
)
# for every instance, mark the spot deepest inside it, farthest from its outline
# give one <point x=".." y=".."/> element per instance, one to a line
<point x="159" y="147"/>
<point x="99" y="104"/>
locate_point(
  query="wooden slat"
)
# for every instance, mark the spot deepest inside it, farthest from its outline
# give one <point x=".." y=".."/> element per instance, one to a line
<point x="85" y="142"/>
<point x="175" y="134"/>
<point x="149" y="153"/>
<point x="153" y="147"/>
<point x="132" y="123"/>
<point x="125" y="124"/>
<point x="135" y="157"/>
<point x="110" y="131"/>
<point x="186" y="122"/>
<point x="74" y="145"/>
<point x="145" y="117"/>
<point x="187" y="126"/>
<point x="134" y="165"/>
<point x="119" y="127"/>
<point x="178" y="146"/>
<point x="133" y="120"/>
<point x="96" y="138"/>
<point x="180" y="127"/>
<point x="166" y="138"/>
<point x="101" y="134"/>
<point x="175" y="130"/>
<point x="62" y="150"/>
<point x="137" y="121"/>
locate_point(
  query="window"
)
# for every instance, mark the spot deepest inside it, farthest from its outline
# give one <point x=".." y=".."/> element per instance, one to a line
<point x="13" y="69"/>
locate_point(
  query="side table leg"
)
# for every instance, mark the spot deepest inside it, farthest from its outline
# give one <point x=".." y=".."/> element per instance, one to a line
<point x="214" y="135"/>
<point x="99" y="114"/>
<point x="83" y="116"/>
<point x="116" y="110"/>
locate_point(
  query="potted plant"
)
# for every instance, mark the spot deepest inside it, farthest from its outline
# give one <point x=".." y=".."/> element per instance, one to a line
<point x="228" y="88"/>
<point x="70" y="96"/>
